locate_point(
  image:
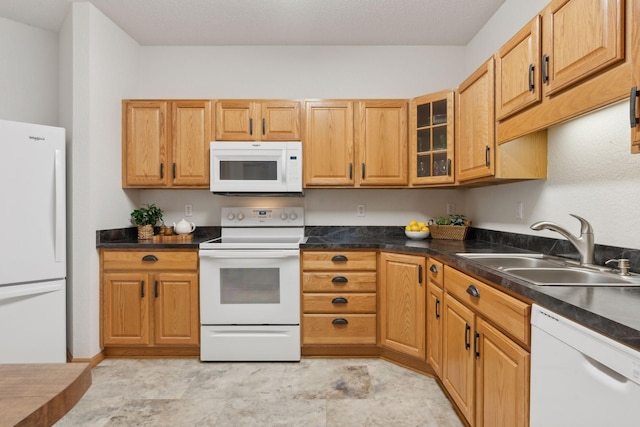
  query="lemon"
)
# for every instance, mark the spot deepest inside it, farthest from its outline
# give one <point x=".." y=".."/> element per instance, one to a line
<point x="422" y="224"/>
<point x="408" y="228"/>
<point x="413" y="222"/>
<point x="415" y="228"/>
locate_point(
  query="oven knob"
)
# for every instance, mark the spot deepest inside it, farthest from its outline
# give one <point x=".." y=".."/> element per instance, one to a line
<point x="231" y="216"/>
<point x="283" y="216"/>
<point x="240" y="216"/>
<point x="293" y="215"/>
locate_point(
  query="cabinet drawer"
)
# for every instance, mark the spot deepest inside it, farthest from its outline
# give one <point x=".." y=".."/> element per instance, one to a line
<point x="504" y="311"/>
<point x="322" y="329"/>
<point x="150" y="260"/>
<point x="339" y="282"/>
<point x="338" y="260"/>
<point x="339" y="303"/>
<point x="435" y="271"/>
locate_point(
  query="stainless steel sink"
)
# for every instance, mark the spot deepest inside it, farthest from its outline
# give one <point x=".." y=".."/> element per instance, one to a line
<point x="570" y="276"/>
<point x="502" y="261"/>
<point x="544" y="270"/>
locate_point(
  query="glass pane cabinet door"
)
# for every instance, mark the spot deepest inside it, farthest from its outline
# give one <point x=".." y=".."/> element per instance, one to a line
<point x="432" y="136"/>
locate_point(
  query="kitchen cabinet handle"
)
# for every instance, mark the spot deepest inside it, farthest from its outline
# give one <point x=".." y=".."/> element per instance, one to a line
<point x="264" y="126"/>
<point x="339" y="300"/>
<point x="250" y="126"/>
<point x="476" y="353"/>
<point x="339" y="279"/>
<point x="420" y="275"/>
<point x="340" y="321"/>
<point x="545" y="68"/>
<point x="433" y="268"/>
<point x="363" y="171"/>
<point x="149" y="258"/>
<point x="339" y="258"/>
<point x="487" y="161"/>
<point x="174" y="171"/>
<point x="473" y="291"/>
<point x="467" y="336"/>
<point x="161" y="170"/>
<point x="155" y="289"/>
<point x="632" y="106"/>
<point x="142" y="289"/>
<point x="437" y="308"/>
<point x="350" y="170"/>
<point x="531" y="85"/>
<point x="448" y="167"/>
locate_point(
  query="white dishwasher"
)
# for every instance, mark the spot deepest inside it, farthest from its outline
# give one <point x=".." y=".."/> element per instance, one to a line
<point x="580" y="378"/>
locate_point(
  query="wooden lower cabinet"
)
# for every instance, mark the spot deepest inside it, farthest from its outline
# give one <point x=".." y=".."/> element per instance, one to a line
<point x="485" y="372"/>
<point x="150" y="302"/>
<point x="339" y="299"/>
<point x="402" y="303"/>
<point x="435" y="306"/>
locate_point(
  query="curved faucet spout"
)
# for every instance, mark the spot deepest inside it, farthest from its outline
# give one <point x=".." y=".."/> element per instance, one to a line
<point x="584" y="244"/>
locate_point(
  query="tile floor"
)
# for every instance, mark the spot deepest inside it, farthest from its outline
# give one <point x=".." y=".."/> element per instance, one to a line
<point x="314" y="392"/>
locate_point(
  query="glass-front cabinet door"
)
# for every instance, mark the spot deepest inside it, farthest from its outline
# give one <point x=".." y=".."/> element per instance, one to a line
<point x="432" y="134"/>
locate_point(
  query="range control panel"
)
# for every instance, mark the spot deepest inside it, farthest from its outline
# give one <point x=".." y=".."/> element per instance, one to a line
<point x="262" y="217"/>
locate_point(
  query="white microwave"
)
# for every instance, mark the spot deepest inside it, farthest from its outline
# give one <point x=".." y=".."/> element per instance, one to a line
<point x="256" y="168"/>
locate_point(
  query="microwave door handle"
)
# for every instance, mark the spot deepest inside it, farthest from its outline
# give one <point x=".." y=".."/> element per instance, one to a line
<point x="284" y="166"/>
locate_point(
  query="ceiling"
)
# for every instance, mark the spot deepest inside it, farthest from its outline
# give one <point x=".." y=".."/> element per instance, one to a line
<point x="276" y="22"/>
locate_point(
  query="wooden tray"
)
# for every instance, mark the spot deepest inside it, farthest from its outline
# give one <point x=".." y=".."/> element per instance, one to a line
<point x="173" y="238"/>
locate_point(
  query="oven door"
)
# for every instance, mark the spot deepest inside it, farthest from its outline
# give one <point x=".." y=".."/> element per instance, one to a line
<point x="250" y="287"/>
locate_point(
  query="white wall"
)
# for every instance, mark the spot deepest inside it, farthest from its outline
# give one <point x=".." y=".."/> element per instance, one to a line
<point x="591" y="172"/>
<point x="98" y="65"/>
<point x="29" y="74"/>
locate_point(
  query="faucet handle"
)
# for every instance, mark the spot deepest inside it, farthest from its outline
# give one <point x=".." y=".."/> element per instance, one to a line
<point x="585" y="227"/>
<point x="623" y="265"/>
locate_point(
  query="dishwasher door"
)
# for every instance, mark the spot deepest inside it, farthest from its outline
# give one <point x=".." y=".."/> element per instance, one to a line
<point x="579" y="377"/>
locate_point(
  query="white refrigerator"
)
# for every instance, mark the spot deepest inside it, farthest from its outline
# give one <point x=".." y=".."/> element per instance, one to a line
<point x="33" y="266"/>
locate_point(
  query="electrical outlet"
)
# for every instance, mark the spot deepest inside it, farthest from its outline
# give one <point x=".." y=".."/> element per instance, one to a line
<point x="188" y="210"/>
<point x="519" y="210"/>
<point x="451" y="208"/>
<point x="360" y="210"/>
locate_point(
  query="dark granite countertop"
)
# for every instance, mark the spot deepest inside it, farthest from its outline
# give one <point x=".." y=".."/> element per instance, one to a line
<point x="127" y="238"/>
<point x="612" y="311"/>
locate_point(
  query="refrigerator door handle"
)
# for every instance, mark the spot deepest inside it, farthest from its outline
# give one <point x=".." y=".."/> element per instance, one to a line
<point x="59" y="237"/>
<point x="12" y="292"/>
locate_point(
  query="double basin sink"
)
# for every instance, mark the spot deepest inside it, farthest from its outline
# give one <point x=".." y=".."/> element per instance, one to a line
<point x="545" y="270"/>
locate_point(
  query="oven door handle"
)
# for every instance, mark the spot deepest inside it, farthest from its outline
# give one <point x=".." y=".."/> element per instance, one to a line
<point x="236" y="254"/>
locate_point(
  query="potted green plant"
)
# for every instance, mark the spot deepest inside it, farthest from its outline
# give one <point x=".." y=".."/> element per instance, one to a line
<point x="455" y="227"/>
<point x="145" y="218"/>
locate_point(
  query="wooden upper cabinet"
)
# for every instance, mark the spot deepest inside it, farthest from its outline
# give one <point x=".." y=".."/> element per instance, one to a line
<point x="190" y="140"/>
<point x="475" y="133"/>
<point x="581" y="37"/>
<point x="518" y="82"/>
<point x="145" y="129"/>
<point x="381" y="141"/>
<point x="248" y="120"/>
<point x="328" y="143"/>
<point x="431" y="139"/>
<point x="166" y="143"/>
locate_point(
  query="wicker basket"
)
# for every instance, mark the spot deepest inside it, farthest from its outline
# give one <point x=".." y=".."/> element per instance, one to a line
<point x="145" y="232"/>
<point x="448" y="232"/>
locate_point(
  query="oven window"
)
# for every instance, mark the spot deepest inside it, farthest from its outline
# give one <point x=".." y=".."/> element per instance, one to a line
<point x="245" y="170"/>
<point x="249" y="285"/>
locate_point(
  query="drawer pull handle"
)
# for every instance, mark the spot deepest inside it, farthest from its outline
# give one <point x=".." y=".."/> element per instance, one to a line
<point x="473" y="291"/>
<point x="150" y="258"/>
<point x="433" y="269"/>
<point x="339" y="300"/>
<point x="340" y="321"/>
<point x="339" y="279"/>
<point x="339" y="258"/>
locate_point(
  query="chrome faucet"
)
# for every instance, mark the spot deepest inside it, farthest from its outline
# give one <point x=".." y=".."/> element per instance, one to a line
<point x="584" y="244"/>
